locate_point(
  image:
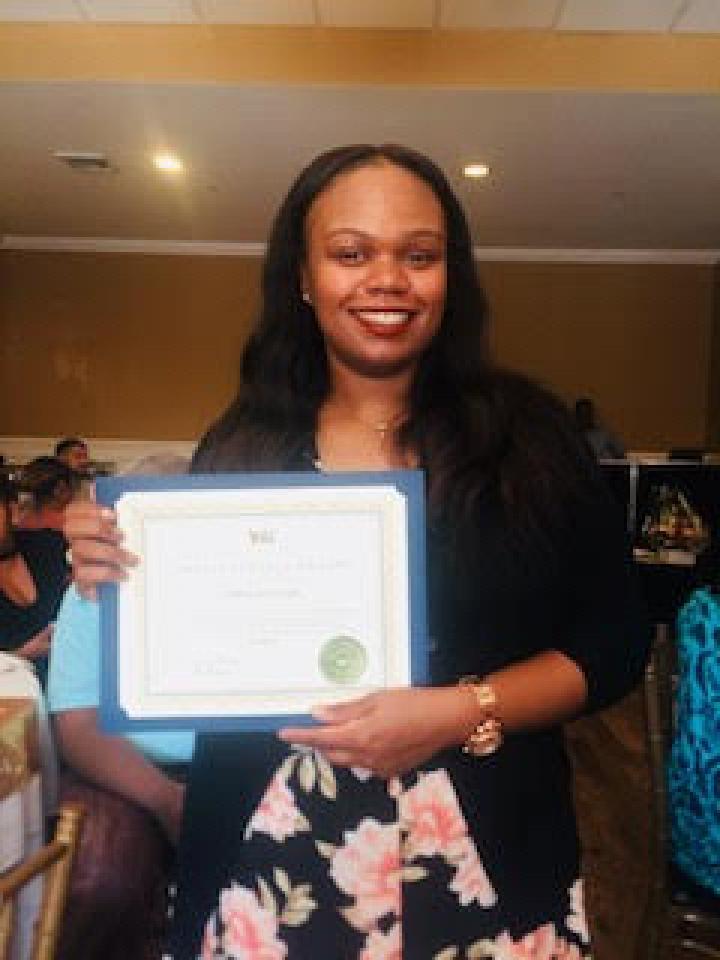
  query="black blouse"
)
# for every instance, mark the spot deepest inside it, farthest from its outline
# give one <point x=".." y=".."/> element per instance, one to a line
<point x="491" y="604"/>
<point x="44" y="554"/>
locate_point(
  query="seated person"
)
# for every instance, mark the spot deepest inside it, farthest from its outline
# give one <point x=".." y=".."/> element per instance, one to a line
<point x="50" y="485"/>
<point x="74" y="452"/>
<point x="33" y="578"/>
<point x="693" y="784"/>
<point x="603" y="444"/>
<point x="133" y="794"/>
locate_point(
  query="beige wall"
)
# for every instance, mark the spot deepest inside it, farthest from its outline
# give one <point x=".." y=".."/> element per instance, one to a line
<point x="714" y="390"/>
<point x="123" y="345"/>
<point x="635" y="337"/>
<point x="119" y="346"/>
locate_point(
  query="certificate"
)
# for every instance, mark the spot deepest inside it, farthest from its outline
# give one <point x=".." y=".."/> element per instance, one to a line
<point x="259" y="596"/>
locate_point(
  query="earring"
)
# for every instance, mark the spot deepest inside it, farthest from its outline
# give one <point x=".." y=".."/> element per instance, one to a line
<point x="306" y="297"/>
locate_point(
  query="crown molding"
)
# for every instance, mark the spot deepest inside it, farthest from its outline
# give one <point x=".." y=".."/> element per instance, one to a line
<point x="184" y="248"/>
<point x="591" y="255"/>
<point x="193" y="248"/>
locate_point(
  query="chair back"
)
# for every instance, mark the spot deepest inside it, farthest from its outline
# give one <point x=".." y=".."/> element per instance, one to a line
<point x="54" y="862"/>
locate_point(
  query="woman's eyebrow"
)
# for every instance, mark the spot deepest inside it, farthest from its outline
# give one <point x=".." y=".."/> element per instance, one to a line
<point x="409" y="235"/>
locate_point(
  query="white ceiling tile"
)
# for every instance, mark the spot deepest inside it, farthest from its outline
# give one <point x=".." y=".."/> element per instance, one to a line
<point x="702" y="16"/>
<point x="39" y="10"/>
<point x="277" y="12"/>
<point x="141" y="11"/>
<point x="498" y="14"/>
<point x="401" y="14"/>
<point x="618" y="15"/>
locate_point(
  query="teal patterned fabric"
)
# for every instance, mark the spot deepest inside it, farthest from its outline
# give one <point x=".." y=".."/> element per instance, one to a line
<point x="694" y="765"/>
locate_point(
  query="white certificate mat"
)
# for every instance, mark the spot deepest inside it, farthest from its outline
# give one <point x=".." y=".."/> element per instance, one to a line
<point x="260" y="596"/>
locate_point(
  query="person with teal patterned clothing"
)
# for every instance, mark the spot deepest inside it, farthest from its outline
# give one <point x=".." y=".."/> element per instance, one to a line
<point x="694" y="765"/>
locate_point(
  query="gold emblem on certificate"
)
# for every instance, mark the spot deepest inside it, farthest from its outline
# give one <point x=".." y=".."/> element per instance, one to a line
<point x="343" y="660"/>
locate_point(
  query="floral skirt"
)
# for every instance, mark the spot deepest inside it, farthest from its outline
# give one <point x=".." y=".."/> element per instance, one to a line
<point x="339" y="864"/>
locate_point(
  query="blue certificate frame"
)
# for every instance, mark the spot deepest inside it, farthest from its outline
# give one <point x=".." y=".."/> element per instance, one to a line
<point x="130" y="701"/>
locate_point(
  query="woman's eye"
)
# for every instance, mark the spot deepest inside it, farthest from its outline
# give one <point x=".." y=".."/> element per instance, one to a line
<point x="349" y="255"/>
<point x="422" y="258"/>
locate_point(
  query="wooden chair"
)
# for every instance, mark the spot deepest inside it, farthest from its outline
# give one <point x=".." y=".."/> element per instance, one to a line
<point x="677" y="917"/>
<point x="54" y="861"/>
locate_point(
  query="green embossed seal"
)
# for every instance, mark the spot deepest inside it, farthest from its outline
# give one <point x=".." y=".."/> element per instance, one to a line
<point x="343" y="660"/>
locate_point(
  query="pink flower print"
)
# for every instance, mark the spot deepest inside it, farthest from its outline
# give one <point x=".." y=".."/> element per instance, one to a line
<point x="566" y="951"/>
<point x="431" y="814"/>
<point x="383" y="946"/>
<point x="576" y="920"/>
<point x="210" y="942"/>
<point x="367" y="868"/>
<point x="538" y="945"/>
<point x="250" y="930"/>
<point x="470" y="882"/>
<point x="276" y="814"/>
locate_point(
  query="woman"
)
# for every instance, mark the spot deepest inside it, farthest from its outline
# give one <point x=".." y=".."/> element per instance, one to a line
<point x="378" y="835"/>
<point x="33" y="578"/>
<point x="51" y="485"/>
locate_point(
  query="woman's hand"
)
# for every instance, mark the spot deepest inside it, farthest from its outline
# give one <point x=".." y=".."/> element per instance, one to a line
<point x="37" y="646"/>
<point x="95" y="544"/>
<point x="391" y="731"/>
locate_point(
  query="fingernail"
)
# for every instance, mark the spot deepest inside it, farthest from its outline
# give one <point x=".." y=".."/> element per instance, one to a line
<point x="107" y="514"/>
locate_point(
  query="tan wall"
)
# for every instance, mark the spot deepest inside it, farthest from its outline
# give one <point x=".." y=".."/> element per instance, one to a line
<point x="714" y="386"/>
<point x="120" y="346"/>
<point x="147" y="346"/>
<point x="635" y="337"/>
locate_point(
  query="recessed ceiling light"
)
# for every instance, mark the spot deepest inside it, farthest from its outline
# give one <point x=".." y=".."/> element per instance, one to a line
<point x="476" y="170"/>
<point x="167" y="163"/>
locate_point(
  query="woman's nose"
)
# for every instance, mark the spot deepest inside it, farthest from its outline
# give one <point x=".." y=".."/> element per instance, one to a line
<point x="387" y="274"/>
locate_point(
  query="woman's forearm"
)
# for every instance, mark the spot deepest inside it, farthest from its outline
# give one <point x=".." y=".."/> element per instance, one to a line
<point x="541" y="691"/>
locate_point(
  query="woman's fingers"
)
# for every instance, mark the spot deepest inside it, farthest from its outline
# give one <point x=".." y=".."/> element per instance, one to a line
<point x="344" y="712"/>
<point x="95" y="547"/>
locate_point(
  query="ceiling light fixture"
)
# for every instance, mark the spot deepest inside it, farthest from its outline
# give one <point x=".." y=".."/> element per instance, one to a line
<point x="168" y="164"/>
<point x="476" y="170"/>
<point x="82" y="159"/>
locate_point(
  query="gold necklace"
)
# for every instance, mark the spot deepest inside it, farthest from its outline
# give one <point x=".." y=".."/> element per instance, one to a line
<point x="381" y="427"/>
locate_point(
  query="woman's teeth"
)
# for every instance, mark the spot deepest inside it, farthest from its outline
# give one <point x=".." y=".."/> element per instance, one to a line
<point x="386" y="318"/>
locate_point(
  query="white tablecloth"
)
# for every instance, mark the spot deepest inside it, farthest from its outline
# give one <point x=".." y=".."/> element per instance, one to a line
<point x="23" y="813"/>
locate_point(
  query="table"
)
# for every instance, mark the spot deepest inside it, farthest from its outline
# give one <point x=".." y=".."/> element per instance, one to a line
<point x="27" y="784"/>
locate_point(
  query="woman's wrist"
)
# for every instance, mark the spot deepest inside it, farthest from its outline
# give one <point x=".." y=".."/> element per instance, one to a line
<point x="484" y="734"/>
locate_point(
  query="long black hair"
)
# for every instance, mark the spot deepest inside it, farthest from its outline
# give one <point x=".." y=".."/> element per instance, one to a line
<point x="472" y="426"/>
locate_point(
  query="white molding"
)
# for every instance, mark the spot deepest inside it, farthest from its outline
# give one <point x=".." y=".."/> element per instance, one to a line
<point x="588" y="255"/>
<point x="122" y="454"/>
<point x="482" y="254"/>
<point x="182" y="248"/>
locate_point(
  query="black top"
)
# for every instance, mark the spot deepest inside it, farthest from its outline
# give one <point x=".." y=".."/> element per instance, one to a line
<point x="490" y="604"/>
<point x="44" y="554"/>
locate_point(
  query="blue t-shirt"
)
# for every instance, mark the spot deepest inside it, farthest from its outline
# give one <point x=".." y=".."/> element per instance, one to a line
<point x="694" y="765"/>
<point x="74" y="679"/>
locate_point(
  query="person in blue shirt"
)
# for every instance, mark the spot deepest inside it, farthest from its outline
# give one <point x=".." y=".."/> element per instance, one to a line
<point x="132" y="790"/>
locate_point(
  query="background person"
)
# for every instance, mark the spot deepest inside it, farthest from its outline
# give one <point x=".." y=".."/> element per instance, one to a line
<point x="603" y="444"/>
<point x="131" y="788"/>
<point x="386" y="838"/>
<point x="74" y="452"/>
<point x="48" y="486"/>
<point x="33" y="578"/>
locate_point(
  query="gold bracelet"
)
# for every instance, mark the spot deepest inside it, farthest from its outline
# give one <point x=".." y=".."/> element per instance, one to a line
<point x="486" y="736"/>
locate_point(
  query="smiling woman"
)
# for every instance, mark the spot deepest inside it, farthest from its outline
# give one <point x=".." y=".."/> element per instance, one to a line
<point x="403" y="824"/>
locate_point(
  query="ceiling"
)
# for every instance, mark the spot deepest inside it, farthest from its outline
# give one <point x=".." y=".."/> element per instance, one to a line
<point x="572" y="169"/>
<point x="696" y="16"/>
